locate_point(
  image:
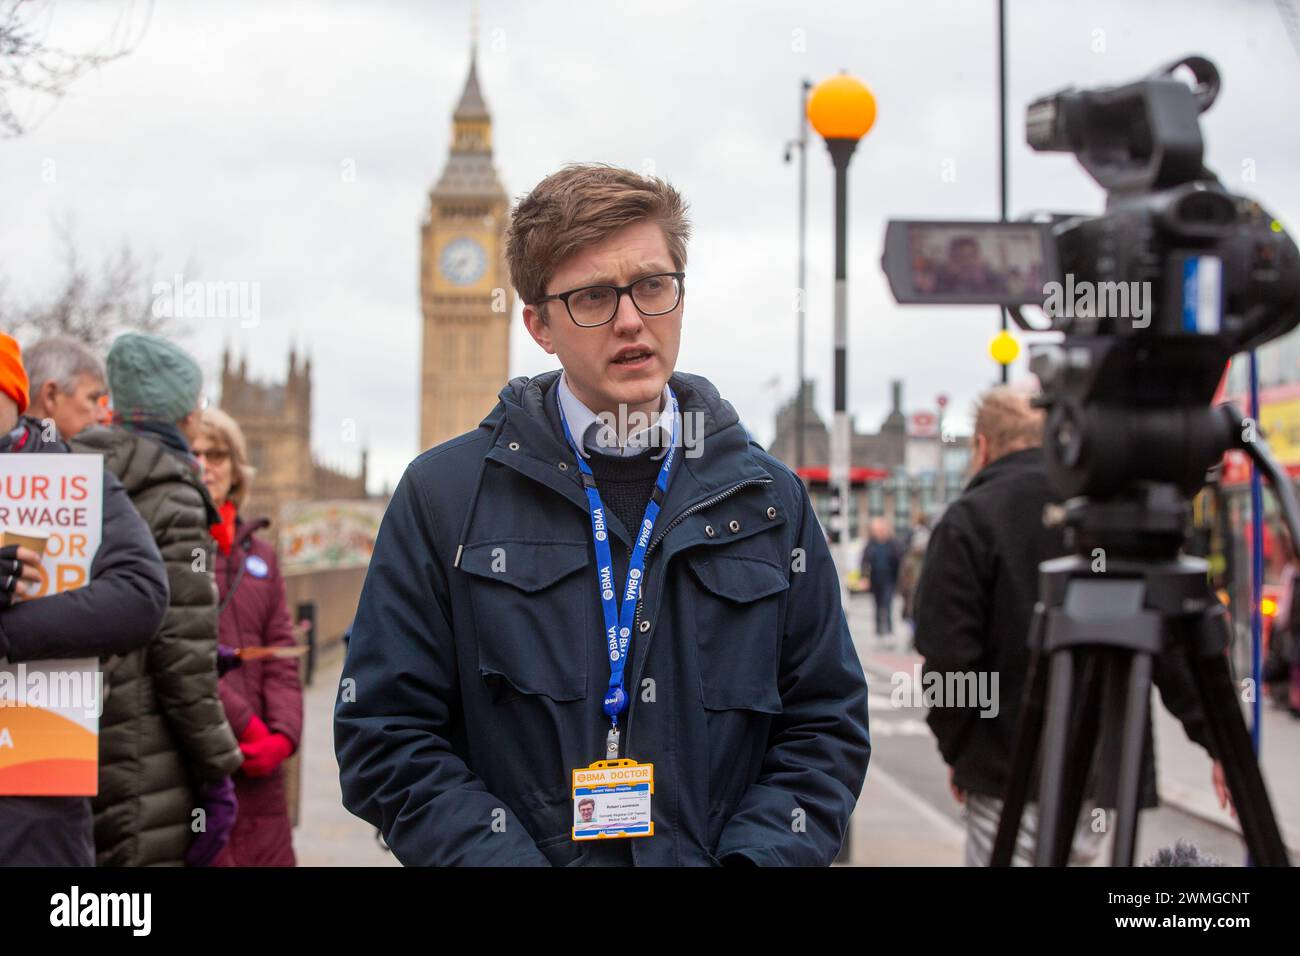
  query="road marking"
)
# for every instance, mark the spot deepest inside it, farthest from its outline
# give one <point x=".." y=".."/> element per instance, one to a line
<point x="935" y="816"/>
<point x="907" y="727"/>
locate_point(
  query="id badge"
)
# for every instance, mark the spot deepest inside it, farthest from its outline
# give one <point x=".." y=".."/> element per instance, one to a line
<point x="611" y="800"/>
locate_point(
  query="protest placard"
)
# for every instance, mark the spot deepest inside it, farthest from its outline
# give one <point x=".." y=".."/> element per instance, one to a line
<point x="49" y="709"/>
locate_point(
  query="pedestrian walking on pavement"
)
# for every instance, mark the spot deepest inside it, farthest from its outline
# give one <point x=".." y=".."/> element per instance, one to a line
<point x="909" y="572"/>
<point x="881" y="559"/>
<point x="603" y="570"/>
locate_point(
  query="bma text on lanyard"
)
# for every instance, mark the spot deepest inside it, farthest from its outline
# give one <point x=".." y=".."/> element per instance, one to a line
<point x="619" y="618"/>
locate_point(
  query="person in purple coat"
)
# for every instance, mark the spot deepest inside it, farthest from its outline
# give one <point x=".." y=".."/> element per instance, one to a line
<point x="262" y="698"/>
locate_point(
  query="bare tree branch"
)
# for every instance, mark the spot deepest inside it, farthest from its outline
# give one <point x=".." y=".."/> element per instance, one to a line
<point x="93" y="305"/>
<point x="33" y="71"/>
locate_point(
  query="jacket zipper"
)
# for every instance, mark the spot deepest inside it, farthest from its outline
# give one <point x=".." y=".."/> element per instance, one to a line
<point x="626" y="734"/>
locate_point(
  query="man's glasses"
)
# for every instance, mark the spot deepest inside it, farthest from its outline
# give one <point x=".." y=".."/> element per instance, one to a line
<point x="595" y="305"/>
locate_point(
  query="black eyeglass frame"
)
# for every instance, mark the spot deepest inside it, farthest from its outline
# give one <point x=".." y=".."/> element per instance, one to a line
<point x="619" y="292"/>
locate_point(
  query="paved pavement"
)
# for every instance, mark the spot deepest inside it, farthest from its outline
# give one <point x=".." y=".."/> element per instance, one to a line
<point x="327" y="835"/>
<point x="1184" y="767"/>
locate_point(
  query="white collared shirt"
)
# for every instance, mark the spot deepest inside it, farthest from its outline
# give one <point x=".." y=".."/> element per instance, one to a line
<point x="591" y="433"/>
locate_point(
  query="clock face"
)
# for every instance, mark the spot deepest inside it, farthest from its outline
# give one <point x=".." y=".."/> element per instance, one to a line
<point x="463" y="261"/>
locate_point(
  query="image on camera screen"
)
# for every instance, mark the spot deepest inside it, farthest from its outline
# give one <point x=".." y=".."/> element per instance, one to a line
<point x="999" y="261"/>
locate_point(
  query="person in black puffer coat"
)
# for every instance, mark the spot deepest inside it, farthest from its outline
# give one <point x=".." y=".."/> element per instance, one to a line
<point x="166" y="748"/>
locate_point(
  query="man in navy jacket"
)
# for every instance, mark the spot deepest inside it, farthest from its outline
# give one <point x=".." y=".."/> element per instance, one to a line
<point x="478" y="670"/>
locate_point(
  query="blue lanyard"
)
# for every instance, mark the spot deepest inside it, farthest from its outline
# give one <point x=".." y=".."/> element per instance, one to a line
<point x="619" y="619"/>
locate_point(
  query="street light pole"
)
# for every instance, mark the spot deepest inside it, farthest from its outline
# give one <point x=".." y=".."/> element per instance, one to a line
<point x="841" y="151"/>
<point x="842" y="110"/>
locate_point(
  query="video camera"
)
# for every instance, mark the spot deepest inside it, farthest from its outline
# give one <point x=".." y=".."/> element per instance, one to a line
<point x="1176" y="252"/>
<point x="1154" y="296"/>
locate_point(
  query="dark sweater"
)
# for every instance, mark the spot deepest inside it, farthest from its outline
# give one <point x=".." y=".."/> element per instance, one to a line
<point x="625" y="484"/>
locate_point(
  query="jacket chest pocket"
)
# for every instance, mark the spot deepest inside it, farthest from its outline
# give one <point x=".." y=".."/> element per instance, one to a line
<point x="530" y="601"/>
<point x="737" y="606"/>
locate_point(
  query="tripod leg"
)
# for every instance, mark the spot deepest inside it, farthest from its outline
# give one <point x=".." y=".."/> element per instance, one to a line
<point x="1233" y="748"/>
<point x="1060" y="690"/>
<point x="1084" y="728"/>
<point x="1136" y="711"/>
<point x="1029" y="728"/>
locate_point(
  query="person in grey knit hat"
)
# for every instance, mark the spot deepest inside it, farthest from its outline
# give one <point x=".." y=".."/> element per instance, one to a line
<point x="165" y="745"/>
<point x="153" y="380"/>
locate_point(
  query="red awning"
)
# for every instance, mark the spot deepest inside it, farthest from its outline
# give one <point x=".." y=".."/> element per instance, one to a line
<point x="820" y="474"/>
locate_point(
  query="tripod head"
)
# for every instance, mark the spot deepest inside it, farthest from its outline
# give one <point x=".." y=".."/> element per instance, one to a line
<point x="1124" y="419"/>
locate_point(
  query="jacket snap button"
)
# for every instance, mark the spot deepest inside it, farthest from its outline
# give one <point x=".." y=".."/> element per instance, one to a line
<point x="564" y="466"/>
<point x="645" y="626"/>
<point x="708" y="529"/>
<point x="734" y="526"/>
<point x="771" y="514"/>
<point x="513" y="446"/>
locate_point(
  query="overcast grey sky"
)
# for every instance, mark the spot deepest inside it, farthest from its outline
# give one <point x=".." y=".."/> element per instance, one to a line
<point x="221" y="142"/>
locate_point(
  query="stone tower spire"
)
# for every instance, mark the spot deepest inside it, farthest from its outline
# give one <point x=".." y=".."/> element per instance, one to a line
<point x="465" y="292"/>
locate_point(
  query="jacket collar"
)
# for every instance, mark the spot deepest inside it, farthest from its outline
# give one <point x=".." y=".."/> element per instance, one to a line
<point x="28" y="436"/>
<point x="590" y="431"/>
<point x="715" y="455"/>
<point x="1011" y="461"/>
<point x="165" y="433"/>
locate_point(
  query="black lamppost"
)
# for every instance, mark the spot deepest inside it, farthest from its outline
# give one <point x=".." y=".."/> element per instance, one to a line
<point x="842" y="110"/>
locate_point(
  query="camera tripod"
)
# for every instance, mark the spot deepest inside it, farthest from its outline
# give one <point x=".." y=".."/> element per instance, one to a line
<point x="1097" y="635"/>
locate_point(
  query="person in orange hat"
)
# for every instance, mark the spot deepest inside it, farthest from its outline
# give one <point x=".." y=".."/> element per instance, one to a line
<point x="13" y="377"/>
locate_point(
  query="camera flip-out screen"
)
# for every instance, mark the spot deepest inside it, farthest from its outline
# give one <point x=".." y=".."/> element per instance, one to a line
<point x="969" y="263"/>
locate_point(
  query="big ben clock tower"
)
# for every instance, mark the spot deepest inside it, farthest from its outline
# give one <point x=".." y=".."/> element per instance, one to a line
<point x="465" y="290"/>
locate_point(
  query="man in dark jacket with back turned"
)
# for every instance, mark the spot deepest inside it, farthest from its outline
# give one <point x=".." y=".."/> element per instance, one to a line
<point x="166" y="748"/>
<point x="975" y="600"/>
<point x="116" y="612"/>
<point x="481" y="668"/>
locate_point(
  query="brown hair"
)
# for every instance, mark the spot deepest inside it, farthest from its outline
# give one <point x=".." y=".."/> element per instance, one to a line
<point x="1007" y="420"/>
<point x="579" y="206"/>
<point x="224" y="430"/>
